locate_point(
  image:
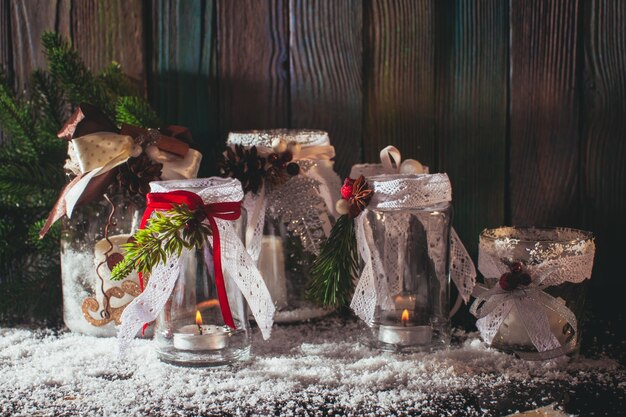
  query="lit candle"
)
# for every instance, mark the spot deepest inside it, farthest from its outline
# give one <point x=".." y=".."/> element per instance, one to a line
<point x="272" y="268"/>
<point x="201" y="336"/>
<point x="406" y="334"/>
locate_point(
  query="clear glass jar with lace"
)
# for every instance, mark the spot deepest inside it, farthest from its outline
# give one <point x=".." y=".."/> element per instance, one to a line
<point x="190" y="329"/>
<point x="534" y="289"/>
<point x="90" y="246"/>
<point x="404" y="238"/>
<point x="290" y="210"/>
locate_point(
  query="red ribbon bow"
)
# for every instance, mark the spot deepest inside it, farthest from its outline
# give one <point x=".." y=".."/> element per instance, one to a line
<point x="226" y="211"/>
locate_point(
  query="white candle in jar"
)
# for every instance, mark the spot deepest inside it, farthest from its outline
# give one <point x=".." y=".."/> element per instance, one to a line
<point x="406" y="333"/>
<point x="201" y="336"/>
<point x="272" y="268"/>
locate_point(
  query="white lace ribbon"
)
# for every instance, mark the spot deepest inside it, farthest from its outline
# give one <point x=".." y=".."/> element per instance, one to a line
<point x="404" y="192"/>
<point x="236" y="264"/>
<point x="314" y="158"/>
<point x="570" y="262"/>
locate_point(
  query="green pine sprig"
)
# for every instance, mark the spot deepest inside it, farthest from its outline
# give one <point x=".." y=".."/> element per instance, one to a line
<point x="334" y="270"/>
<point x="136" y="111"/>
<point x="166" y="233"/>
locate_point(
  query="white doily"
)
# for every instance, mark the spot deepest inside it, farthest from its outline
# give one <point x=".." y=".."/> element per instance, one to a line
<point x="236" y="264"/>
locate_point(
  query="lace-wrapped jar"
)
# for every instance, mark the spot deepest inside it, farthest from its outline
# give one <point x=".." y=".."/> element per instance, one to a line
<point x="533" y="291"/>
<point x="290" y="210"/>
<point x="198" y="296"/>
<point x="92" y="302"/>
<point x="404" y="239"/>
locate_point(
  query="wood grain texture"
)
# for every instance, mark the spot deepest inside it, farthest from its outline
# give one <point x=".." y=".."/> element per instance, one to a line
<point x="253" y="64"/>
<point x="604" y="144"/>
<point x="326" y="73"/>
<point x="112" y="30"/>
<point x="183" y="79"/>
<point x="399" y="79"/>
<point x="472" y="70"/>
<point x="544" y="113"/>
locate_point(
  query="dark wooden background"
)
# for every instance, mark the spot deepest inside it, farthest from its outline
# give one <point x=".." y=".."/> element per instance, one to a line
<point x="521" y="102"/>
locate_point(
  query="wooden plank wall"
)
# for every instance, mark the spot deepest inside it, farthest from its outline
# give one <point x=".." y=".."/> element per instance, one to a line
<point x="523" y="103"/>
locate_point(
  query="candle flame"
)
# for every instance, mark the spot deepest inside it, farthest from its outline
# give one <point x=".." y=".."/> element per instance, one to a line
<point x="405" y="316"/>
<point x="198" y="318"/>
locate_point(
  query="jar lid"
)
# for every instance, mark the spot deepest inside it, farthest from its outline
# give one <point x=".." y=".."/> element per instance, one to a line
<point x="211" y="190"/>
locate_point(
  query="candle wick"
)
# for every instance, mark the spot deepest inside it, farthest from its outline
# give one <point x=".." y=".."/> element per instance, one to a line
<point x="199" y="329"/>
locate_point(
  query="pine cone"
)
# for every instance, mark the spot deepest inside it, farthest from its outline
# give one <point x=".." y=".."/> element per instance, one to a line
<point x="134" y="176"/>
<point x="245" y="165"/>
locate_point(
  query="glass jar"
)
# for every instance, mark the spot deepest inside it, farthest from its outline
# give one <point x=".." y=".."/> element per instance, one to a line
<point x="412" y="312"/>
<point x="290" y="220"/>
<point x="190" y="329"/>
<point x="536" y="282"/>
<point x="92" y="303"/>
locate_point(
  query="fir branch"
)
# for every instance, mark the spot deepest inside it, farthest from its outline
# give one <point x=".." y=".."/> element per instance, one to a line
<point x="48" y="102"/>
<point x="166" y="233"/>
<point x="114" y="80"/>
<point x="334" y="270"/>
<point x="134" y="110"/>
<point x="79" y="83"/>
<point x="15" y="121"/>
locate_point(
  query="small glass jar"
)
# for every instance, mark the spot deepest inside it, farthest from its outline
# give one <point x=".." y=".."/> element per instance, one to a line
<point x="557" y="262"/>
<point x="92" y="302"/>
<point x="190" y="330"/>
<point x="412" y="311"/>
<point x="297" y="218"/>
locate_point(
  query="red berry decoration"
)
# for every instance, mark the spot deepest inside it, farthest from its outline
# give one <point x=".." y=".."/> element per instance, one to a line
<point x="516" y="267"/>
<point x="286" y="156"/>
<point x="293" y="169"/>
<point x="346" y="189"/>
<point x="524" y="278"/>
<point x="509" y="281"/>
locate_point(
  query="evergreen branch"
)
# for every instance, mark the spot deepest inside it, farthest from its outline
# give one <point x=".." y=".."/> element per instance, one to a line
<point x="79" y="83"/>
<point x="136" y="111"/>
<point x="114" y="80"/>
<point x="334" y="270"/>
<point x="48" y="102"/>
<point x="166" y="233"/>
<point x="15" y="121"/>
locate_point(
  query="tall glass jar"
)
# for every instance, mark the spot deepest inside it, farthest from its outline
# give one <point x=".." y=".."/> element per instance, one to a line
<point x="534" y="289"/>
<point x="413" y="245"/>
<point x="191" y="330"/>
<point x="90" y="246"/>
<point x="290" y="219"/>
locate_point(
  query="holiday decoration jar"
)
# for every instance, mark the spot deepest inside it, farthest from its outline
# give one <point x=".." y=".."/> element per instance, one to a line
<point x="290" y="189"/>
<point x="110" y="169"/>
<point x="533" y="292"/>
<point x="198" y="283"/>
<point x="396" y="223"/>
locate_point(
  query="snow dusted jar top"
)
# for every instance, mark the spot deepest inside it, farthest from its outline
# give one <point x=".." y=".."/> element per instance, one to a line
<point x="534" y="289"/>
<point x="290" y="189"/>
<point x="90" y="246"/>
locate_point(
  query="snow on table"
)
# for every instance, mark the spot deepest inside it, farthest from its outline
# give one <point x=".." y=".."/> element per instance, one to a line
<point x="310" y="369"/>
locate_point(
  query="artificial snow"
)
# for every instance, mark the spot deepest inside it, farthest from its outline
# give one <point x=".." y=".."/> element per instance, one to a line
<point x="306" y="369"/>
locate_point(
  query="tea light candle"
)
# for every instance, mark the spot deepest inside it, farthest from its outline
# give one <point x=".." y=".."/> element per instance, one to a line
<point x="201" y="337"/>
<point x="407" y="334"/>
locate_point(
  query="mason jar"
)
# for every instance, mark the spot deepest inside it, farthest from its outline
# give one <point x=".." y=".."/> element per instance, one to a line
<point x="534" y="289"/>
<point x="90" y="246"/>
<point x="405" y="244"/>
<point x="290" y="219"/>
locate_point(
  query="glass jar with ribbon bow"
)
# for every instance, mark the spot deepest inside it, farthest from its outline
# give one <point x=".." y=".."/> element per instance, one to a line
<point x="109" y="170"/>
<point x="290" y="188"/>
<point x="199" y="276"/>
<point x="533" y="291"/>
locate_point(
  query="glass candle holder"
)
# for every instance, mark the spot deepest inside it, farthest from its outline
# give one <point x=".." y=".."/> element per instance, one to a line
<point x="534" y="291"/>
<point x="190" y="329"/>
<point x="90" y="246"/>
<point x="413" y="245"/>
<point x="289" y="220"/>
